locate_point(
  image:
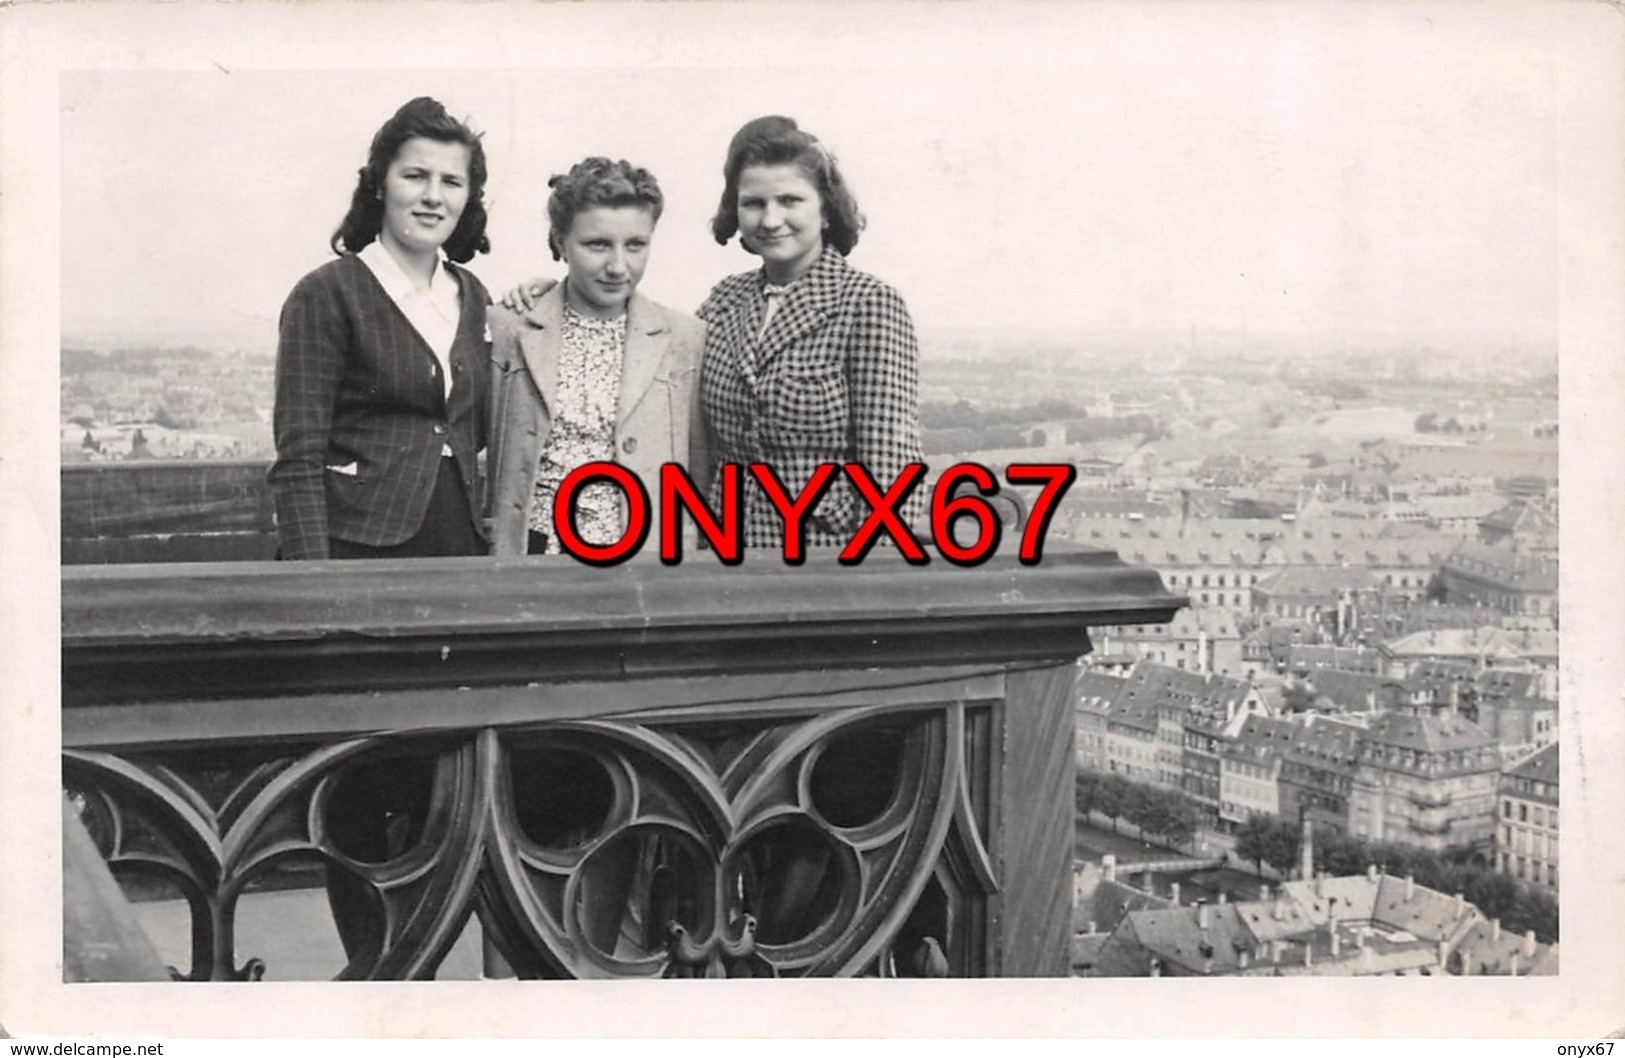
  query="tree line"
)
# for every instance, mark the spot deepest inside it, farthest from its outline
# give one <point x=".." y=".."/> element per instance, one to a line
<point x="1520" y="906"/>
<point x="961" y="426"/>
<point x="1156" y="810"/>
<point x="1172" y="816"/>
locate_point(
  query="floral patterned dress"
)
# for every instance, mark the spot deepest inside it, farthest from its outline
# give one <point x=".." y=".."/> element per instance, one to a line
<point x="590" y="357"/>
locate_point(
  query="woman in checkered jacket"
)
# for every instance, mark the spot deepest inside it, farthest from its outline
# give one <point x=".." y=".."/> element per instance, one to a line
<point x="807" y="360"/>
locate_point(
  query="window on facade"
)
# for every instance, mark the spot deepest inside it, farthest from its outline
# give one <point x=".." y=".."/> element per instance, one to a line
<point x="1523" y="813"/>
<point x="1506" y="808"/>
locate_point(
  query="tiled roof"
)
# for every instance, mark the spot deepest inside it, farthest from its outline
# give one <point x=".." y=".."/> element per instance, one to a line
<point x="1260" y="738"/>
<point x="1175" y="936"/>
<point x="1323" y="739"/>
<point x="1484" y="950"/>
<point x="1343" y="898"/>
<point x="1274" y="919"/>
<point x="1484" y="641"/>
<point x="1427" y="734"/>
<point x="1353" y="691"/>
<point x="1426" y="913"/>
<point x="1317" y="580"/>
<point x="1515" y="570"/>
<point x="1520" y="516"/>
<point x="1542" y="766"/>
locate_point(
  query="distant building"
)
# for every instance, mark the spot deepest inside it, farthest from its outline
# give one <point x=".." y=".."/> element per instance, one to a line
<point x="1317" y="773"/>
<point x="1500" y="578"/>
<point x="1523" y="523"/>
<point x="1526" y="837"/>
<point x="1326" y="594"/>
<point x="1250" y="769"/>
<point x="1425" y="780"/>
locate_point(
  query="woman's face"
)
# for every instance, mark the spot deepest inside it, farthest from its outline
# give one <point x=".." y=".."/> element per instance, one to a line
<point x="425" y="190"/>
<point x="606" y="250"/>
<point x="781" y="218"/>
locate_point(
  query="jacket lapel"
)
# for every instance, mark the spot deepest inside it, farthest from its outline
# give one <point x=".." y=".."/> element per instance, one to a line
<point x="540" y="343"/>
<point x="808" y="304"/>
<point x="646" y="340"/>
<point x="473" y="335"/>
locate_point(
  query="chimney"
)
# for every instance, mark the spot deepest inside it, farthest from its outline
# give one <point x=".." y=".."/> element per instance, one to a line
<point x="1337" y="943"/>
<point x="1308" y="955"/>
<point x="1224" y="898"/>
<point x="1444" y="953"/>
<point x="1263" y="891"/>
<point x="1410" y="887"/>
<point x="1371" y="873"/>
<point x="1320" y="884"/>
<point x="1495" y="929"/>
<point x="1173" y="893"/>
<point x="1512" y="965"/>
<point x="1156" y="968"/>
<point x="1243" y="958"/>
<point x="1461" y="905"/>
<point x="1529" y="944"/>
<point x="1202" y="919"/>
<point x="1108" y="866"/>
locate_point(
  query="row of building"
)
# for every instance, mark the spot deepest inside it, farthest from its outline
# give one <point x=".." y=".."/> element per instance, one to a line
<point x="1443" y="763"/>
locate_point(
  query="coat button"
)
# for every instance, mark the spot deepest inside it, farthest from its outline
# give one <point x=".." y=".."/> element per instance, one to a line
<point x="629" y="445"/>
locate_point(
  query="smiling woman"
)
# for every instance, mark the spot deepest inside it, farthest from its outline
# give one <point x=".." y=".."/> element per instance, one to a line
<point x="381" y="411"/>
<point x="380" y="380"/>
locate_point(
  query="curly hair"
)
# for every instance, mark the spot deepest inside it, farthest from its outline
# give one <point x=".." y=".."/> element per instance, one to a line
<point x="777" y="140"/>
<point x="427" y="119"/>
<point x="595" y="182"/>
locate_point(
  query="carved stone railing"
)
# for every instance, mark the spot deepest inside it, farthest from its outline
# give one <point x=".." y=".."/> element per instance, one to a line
<point x="642" y="771"/>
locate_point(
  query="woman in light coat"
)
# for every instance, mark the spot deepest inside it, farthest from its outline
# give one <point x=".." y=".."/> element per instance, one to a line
<point x="593" y="371"/>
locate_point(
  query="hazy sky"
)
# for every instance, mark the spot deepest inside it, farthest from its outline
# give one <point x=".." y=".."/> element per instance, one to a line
<point x="1317" y="169"/>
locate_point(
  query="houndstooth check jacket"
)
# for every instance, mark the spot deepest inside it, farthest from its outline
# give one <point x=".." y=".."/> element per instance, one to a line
<point x="834" y="379"/>
<point x="361" y="410"/>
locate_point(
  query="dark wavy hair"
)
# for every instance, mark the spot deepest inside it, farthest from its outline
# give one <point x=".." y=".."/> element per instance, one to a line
<point x="426" y="118"/>
<point x="595" y="182"/>
<point x="777" y="140"/>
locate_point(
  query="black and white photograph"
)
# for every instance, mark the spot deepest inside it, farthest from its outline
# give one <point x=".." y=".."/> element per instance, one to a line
<point x="1005" y="504"/>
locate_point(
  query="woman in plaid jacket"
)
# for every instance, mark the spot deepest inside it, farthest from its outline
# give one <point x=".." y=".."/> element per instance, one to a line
<point x="807" y="360"/>
<point x="381" y="381"/>
<point x="381" y="373"/>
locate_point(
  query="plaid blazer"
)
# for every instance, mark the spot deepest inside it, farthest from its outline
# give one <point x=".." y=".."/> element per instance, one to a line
<point x="361" y="410"/>
<point x="834" y="379"/>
